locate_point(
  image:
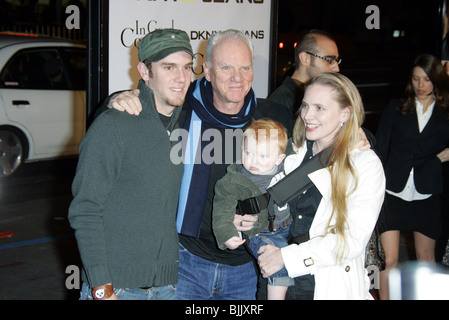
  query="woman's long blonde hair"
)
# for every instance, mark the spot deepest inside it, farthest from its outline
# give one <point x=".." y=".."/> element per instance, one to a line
<point x="339" y="163"/>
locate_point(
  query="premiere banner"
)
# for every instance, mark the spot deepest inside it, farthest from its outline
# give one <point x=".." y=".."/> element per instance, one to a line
<point x="130" y="20"/>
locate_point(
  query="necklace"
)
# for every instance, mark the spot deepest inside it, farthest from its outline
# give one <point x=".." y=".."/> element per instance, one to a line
<point x="166" y="121"/>
<point x="426" y="104"/>
<point x="314" y="148"/>
<point x="168" y="125"/>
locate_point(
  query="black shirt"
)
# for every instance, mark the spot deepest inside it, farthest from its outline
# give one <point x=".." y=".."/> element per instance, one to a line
<point x="304" y="207"/>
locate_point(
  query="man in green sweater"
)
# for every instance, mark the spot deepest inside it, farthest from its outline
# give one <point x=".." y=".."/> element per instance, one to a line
<point x="126" y="187"/>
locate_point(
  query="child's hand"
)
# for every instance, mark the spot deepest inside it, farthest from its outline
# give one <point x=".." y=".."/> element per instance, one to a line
<point x="234" y="243"/>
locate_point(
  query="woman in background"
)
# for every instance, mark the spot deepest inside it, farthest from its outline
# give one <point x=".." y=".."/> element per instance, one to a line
<point x="412" y="141"/>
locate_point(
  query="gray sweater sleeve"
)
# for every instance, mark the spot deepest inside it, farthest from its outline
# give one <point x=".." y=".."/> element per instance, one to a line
<point x="98" y="166"/>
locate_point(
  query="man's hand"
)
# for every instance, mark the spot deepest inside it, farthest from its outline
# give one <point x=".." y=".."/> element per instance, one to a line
<point x="244" y="223"/>
<point x="363" y="143"/>
<point x="127" y="101"/>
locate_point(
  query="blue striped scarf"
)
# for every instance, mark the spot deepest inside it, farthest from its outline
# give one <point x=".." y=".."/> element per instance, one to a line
<point x="202" y="115"/>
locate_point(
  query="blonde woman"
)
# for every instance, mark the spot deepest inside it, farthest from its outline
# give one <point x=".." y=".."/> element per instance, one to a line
<point x="339" y="212"/>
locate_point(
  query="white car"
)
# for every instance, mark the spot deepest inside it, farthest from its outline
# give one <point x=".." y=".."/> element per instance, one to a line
<point x="42" y="99"/>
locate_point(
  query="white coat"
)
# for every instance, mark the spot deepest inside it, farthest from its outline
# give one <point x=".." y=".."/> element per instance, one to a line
<point x="349" y="279"/>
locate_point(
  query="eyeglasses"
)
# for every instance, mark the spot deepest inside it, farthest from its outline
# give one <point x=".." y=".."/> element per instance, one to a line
<point x="329" y="60"/>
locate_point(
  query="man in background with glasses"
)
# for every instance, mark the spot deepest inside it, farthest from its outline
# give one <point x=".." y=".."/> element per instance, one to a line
<point x="315" y="52"/>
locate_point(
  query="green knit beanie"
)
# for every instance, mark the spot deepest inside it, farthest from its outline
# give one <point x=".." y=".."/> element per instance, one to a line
<point x="160" y="43"/>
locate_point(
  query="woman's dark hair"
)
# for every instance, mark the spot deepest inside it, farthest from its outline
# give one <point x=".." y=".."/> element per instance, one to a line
<point x="437" y="75"/>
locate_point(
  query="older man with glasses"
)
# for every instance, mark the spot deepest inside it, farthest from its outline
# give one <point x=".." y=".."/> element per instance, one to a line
<point x="316" y="52"/>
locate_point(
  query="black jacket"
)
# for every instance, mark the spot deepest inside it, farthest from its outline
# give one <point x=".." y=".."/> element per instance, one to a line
<point x="402" y="147"/>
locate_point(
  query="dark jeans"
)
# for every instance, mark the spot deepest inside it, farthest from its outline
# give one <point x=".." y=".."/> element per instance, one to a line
<point x="200" y="279"/>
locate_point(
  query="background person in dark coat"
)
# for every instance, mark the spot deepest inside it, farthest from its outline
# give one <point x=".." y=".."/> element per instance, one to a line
<point x="412" y="141"/>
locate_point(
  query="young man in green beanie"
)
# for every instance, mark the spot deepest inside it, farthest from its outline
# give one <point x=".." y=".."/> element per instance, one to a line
<point x="126" y="188"/>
